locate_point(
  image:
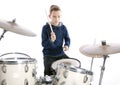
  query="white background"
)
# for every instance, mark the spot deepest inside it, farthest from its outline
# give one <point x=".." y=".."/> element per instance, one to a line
<point x="88" y="22"/>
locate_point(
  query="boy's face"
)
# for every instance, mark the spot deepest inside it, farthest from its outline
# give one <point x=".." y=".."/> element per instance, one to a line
<point x="55" y="17"/>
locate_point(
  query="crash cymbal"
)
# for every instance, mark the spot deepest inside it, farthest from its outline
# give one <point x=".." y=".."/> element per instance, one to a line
<point x="99" y="50"/>
<point x="13" y="27"/>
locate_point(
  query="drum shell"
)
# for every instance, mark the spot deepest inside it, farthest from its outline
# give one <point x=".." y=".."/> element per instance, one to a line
<point x="74" y="76"/>
<point x="18" y="73"/>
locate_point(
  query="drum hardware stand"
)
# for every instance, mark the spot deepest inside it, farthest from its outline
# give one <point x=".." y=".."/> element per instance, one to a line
<point x="102" y="69"/>
<point x="4" y="31"/>
<point x="91" y="64"/>
<point x="92" y="57"/>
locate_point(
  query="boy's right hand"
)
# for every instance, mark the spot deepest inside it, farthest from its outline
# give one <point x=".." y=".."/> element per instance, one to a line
<point x="53" y="36"/>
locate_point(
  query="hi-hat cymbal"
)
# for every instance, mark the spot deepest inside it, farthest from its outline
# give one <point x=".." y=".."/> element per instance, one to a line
<point x="13" y="27"/>
<point x="99" y="50"/>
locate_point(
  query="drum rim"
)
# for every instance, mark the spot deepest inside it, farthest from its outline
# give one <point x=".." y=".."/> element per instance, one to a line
<point x="15" y="53"/>
<point x="16" y="60"/>
<point x="80" y="70"/>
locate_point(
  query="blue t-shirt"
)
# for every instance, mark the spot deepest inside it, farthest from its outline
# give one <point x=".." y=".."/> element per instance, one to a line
<point x="55" y="48"/>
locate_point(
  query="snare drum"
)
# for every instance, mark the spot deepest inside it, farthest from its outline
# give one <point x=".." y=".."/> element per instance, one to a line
<point x="74" y="76"/>
<point x="60" y="65"/>
<point x="17" y="69"/>
<point x="66" y="62"/>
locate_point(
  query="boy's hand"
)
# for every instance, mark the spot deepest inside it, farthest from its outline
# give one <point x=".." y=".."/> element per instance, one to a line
<point x="65" y="48"/>
<point x="53" y="36"/>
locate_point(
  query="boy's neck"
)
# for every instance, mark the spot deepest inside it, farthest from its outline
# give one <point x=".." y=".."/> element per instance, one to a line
<point x="56" y="24"/>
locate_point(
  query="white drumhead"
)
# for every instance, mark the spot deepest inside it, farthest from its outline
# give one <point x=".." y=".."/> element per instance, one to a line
<point x="68" y="61"/>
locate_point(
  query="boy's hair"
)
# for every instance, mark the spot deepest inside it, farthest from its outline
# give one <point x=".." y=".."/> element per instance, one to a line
<point x="54" y="8"/>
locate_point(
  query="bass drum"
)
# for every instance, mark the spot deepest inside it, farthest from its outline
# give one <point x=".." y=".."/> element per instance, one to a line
<point x="17" y="69"/>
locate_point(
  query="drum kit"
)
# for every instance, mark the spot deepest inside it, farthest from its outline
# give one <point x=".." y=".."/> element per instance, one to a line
<point x="20" y="69"/>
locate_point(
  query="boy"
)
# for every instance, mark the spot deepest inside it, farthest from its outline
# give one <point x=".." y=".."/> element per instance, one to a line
<point x="54" y="42"/>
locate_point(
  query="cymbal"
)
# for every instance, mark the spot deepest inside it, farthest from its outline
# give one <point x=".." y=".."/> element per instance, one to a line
<point x="13" y="27"/>
<point x="99" y="50"/>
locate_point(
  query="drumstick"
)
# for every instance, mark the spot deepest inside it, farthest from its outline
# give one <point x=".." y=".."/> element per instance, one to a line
<point x="49" y="22"/>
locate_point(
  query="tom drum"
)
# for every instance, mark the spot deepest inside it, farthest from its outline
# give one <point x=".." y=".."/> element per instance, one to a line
<point x="17" y="69"/>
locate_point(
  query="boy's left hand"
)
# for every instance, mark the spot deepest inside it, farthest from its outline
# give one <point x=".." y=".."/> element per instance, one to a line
<point x="65" y="48"/>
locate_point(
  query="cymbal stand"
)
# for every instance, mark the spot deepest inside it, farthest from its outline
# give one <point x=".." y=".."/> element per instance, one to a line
<point x="91" y="64"/>
<point x="92" y="57"/>
<point x="4" y="31"/>
<point x="102" y="69"/>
